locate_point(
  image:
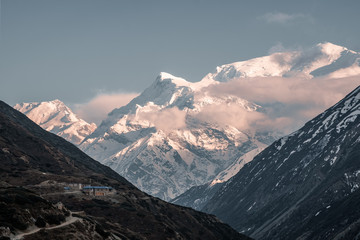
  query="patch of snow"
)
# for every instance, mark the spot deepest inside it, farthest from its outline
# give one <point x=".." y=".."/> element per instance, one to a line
<point x="333" y="160"/>
<point x="251" y="206"/>
<point x="349" y="119"/>
<point x="282" y="143"/>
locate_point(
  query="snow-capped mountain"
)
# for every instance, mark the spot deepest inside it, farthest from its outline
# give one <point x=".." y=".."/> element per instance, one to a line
<point x="56" y="117"/>
<point x="303" y="186"/>
<point x="179" y="134"/>
<point x="323" y="59"/>
<point x="159" y="142"/>
<point x="166" y="140"/>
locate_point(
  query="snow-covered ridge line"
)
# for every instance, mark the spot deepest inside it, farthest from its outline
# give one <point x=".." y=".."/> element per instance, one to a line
<point x="56" y="117"/>
<point x="323" y="59"/>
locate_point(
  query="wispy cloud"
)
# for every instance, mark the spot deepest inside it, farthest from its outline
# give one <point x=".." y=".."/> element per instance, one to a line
<point x="167" y="119"/>
<point x="278" y="47"/>
<point x="97" y="108"/>
<point x="284" y="18"/>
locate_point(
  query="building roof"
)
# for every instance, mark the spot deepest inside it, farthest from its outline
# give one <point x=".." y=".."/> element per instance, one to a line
<point x="97" y="187"/>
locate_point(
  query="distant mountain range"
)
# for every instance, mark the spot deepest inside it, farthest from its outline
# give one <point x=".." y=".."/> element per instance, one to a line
<point x="303" y="186"/>
<point x="165" y="140"/>
<point x="36" y="165"/>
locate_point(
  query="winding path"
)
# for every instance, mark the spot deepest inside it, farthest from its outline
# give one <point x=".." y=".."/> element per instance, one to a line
<point x="69" y="220"/>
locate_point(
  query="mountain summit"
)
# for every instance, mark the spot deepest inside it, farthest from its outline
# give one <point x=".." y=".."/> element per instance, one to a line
<point x="56" y="117"/>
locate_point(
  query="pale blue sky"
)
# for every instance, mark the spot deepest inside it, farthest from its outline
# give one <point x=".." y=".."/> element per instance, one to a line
<point x="74" y="49"/>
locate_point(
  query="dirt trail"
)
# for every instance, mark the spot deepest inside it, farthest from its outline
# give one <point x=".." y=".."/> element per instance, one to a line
<point x="69" y="220"/>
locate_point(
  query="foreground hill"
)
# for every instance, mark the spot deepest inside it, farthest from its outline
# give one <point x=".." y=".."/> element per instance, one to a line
<point x="36" y="164"/>
<point x="303" y="186"/>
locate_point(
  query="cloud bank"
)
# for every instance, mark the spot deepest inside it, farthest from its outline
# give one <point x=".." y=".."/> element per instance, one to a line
<point x="167" y="119"/>
<point x="287" y="103"/>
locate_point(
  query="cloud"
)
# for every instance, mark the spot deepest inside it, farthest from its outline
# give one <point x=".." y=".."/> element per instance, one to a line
<point x="232" y="115"/>
<point x="167" y="119"/>
<point x="278" y="47"/>
<point x="284" y="18"/>
<point x="287" y="103"/>
<point x="97" y="108"/>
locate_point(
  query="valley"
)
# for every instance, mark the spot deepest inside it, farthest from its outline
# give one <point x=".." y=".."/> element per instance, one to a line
<point x="179" y="120"/>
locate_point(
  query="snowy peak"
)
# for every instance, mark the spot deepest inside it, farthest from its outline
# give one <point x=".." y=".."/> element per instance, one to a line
<point x="181" y="82"/>
<point x="331" y="49"/>
<point x="167" y="91"/>
<point x="41" y="112"/>
<point x="167" y="77"/>
<point x="320" y="60"/>
<point x="166" y="140"/>
<point x="56" y="117"/>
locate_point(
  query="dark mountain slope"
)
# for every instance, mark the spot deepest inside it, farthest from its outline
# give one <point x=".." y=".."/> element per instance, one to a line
<point x="42" y="162"/>
<point x="26" y="136"/>
<point x="292" y="188"/>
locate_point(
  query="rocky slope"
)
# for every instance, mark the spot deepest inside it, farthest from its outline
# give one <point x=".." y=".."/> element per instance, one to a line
<point x="21" y="208"/>
<point x="42" y="162"/>
<point x="56" y="117"/>
<point x="304" y="185"/>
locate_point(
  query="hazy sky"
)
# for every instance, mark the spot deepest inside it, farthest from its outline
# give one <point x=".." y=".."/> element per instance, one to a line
<point x="75" y="49"/>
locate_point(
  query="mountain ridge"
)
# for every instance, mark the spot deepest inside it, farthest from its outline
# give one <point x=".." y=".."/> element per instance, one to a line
<point x="309" y="63"/>
<point x="289" y="188"/>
